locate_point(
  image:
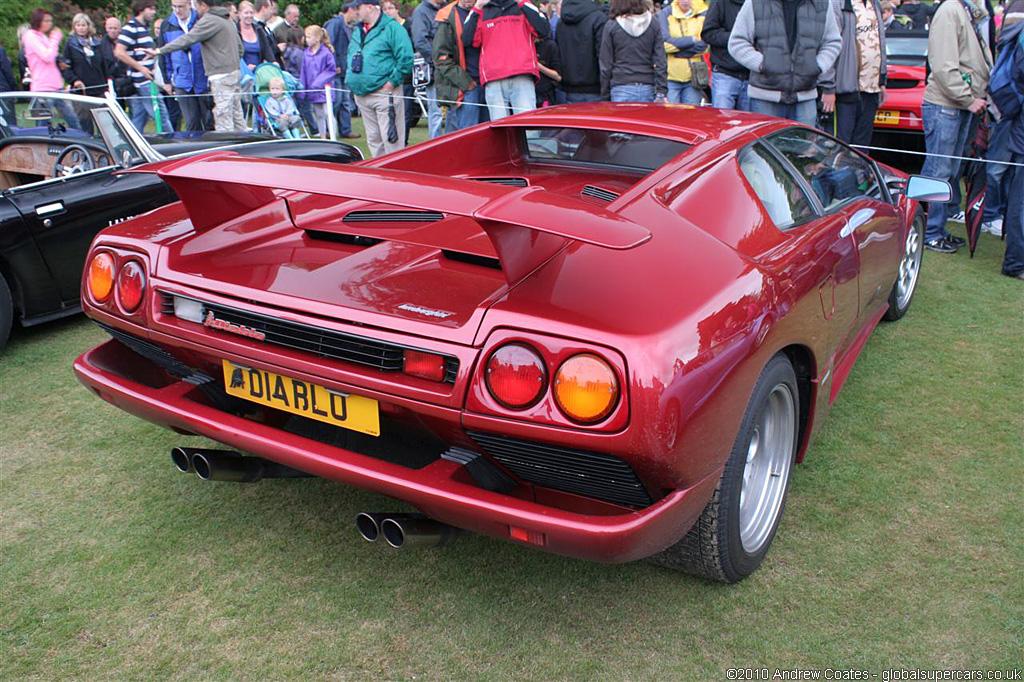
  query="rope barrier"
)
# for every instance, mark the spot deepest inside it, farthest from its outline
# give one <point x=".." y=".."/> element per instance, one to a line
<point x="398" y="95"/>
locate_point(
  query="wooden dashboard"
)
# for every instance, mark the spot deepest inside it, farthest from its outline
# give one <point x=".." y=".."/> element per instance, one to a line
<point x="36" y="159"/>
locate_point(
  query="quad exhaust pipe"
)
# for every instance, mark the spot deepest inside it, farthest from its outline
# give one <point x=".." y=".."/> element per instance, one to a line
<point x="405" y="530"/>
<point x="227" y="465"/>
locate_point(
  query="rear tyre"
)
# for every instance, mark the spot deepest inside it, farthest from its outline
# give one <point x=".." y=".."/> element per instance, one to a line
<point x="6" y="312"/>
<point x="733" y="534"/>
<point x="909" y="272"/>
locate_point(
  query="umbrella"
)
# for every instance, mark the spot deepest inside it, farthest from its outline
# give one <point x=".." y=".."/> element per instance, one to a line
<point x="392" y="136"/>
<point x="975" y="183"/>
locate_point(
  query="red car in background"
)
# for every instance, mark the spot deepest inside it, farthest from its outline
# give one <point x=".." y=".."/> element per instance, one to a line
<point x="602" y="330"/>
<point x="898" y="122"/>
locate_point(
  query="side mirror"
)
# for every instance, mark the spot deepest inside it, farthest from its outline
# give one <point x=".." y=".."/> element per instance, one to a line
<point x="928" y="189"/>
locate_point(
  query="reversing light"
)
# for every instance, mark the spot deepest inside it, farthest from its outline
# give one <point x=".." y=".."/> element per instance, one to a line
<point x="586" y="388"/>
<point x="516" y="376"/>
<point x="188" y="309"/>
<point x="101" y="276"/>
<point x="131" y="285"/>
<point x="428" y="366"/>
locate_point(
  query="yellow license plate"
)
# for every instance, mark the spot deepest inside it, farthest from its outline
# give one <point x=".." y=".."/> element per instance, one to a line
<point x="303" y="398"/>
<point x="887" y="117"/>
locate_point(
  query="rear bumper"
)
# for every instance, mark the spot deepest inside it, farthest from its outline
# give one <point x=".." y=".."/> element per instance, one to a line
<point x="435" y="489"/>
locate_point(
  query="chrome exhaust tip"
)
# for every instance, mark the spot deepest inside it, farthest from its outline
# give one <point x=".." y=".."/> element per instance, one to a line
<point x="369" y="523"/>
<point x="417" y="531"/>
<point x="182" y="460"/>
<point x="227" y="465"/>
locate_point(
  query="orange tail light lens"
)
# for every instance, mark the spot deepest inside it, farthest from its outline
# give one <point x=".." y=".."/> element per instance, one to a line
<point x="101" y="276"/>
<point x="131" y="285"/>
<point x="516" y="376"/>
<point x="586" y="388"/>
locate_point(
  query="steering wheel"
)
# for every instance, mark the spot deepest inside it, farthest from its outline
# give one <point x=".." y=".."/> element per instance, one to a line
<point x="80" y="159"/>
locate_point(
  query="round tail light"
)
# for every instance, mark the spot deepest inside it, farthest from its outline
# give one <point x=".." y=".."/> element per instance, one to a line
<point x="586" y="388"/>
<point x="516" y="376"/>
<point x="131" y="285"/>
<point x="101" y="276"/>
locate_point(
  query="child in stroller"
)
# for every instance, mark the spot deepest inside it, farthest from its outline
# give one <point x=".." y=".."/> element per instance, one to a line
<point x="281" y="110"/>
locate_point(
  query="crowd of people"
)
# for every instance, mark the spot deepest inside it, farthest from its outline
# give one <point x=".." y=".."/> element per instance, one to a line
<point x="479" y="60"/>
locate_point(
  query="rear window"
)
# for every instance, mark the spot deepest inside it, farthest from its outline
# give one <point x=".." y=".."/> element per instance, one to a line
<point x="603" y="148"/>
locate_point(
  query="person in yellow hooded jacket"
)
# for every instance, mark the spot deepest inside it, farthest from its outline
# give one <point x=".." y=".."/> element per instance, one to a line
<point x="681" y="22"/>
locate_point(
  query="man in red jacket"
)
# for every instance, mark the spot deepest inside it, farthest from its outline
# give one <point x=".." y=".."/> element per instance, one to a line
<point x="505" y="30"/>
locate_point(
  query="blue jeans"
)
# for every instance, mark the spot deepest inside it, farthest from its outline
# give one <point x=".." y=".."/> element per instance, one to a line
<point x="801" y="112"/>
<point x="728" y="92"/>
<point x="998" y="177"/>
<point x="470" y="113"/>
<point x="342" y="113"/>
<point x="142" y="110"/>
<point x="1013" y="226"/>
<point x="510" y="96"/>
<point x="634" y="92"/>
<point x="945" y="132"/>
<point x="683" y="93"/>
<point x="434" y="115"/>
<point x="573" y="97"/>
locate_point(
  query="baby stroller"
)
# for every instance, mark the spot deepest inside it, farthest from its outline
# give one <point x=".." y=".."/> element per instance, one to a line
<point x="261" y="77"/>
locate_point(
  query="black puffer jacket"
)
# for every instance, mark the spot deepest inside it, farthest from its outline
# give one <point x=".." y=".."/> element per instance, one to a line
<point x="718" y="24"/>
<point x="579" y="45"/>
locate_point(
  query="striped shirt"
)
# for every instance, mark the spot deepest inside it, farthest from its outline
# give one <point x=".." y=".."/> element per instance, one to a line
<point x="135" y="37"/>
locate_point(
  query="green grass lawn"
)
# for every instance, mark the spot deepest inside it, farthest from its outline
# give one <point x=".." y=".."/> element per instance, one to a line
<point x="902" y="545"/>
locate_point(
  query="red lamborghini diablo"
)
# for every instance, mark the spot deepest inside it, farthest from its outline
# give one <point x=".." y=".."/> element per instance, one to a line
<point x="606" y="330"/>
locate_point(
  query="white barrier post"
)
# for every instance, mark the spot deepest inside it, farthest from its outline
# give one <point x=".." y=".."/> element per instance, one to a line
<point x="332" y="123"/>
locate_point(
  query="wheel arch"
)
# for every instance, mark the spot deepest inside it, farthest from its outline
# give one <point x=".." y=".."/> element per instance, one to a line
<point x="14" y="284"/>
<point x="802" y="359"/>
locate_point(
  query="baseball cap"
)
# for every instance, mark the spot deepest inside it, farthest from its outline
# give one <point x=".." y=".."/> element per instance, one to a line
<point x="348" y="5"/>
<point x="367" y="2"/>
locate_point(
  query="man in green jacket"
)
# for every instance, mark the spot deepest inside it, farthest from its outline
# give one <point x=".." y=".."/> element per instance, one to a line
<point x="222" y="49"/>
<point x="379" y="58"/>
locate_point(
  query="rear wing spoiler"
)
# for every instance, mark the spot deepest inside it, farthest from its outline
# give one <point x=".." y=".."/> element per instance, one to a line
<point x="527" y="225"/>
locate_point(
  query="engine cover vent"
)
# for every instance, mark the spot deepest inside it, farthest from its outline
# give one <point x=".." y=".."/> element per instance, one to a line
<point x="599" y="193"/>
<point x="511" y="182"/>
<point x="393" y="217"/>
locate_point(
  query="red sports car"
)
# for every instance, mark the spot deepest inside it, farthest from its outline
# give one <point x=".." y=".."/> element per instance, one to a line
<point x="898" y="123"/>
<point x="605" y="330"/>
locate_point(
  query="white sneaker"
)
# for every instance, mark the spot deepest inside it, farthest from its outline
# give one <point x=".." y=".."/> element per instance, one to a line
<point x="957" y="217"/>
<point x="994" y="227"/>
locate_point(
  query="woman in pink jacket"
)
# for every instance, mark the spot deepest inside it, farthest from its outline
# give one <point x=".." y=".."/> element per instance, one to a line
<point x="42" y="45"/>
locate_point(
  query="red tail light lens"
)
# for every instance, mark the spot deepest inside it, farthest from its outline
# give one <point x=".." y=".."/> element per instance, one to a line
<point x="131" y="285"/>
<point x="425" y="365"/>
<point x="101" y="276"/>
<point x="516" y="376"/>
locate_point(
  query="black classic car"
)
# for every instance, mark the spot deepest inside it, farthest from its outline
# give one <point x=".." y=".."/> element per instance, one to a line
<point x="59" y="185"/>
